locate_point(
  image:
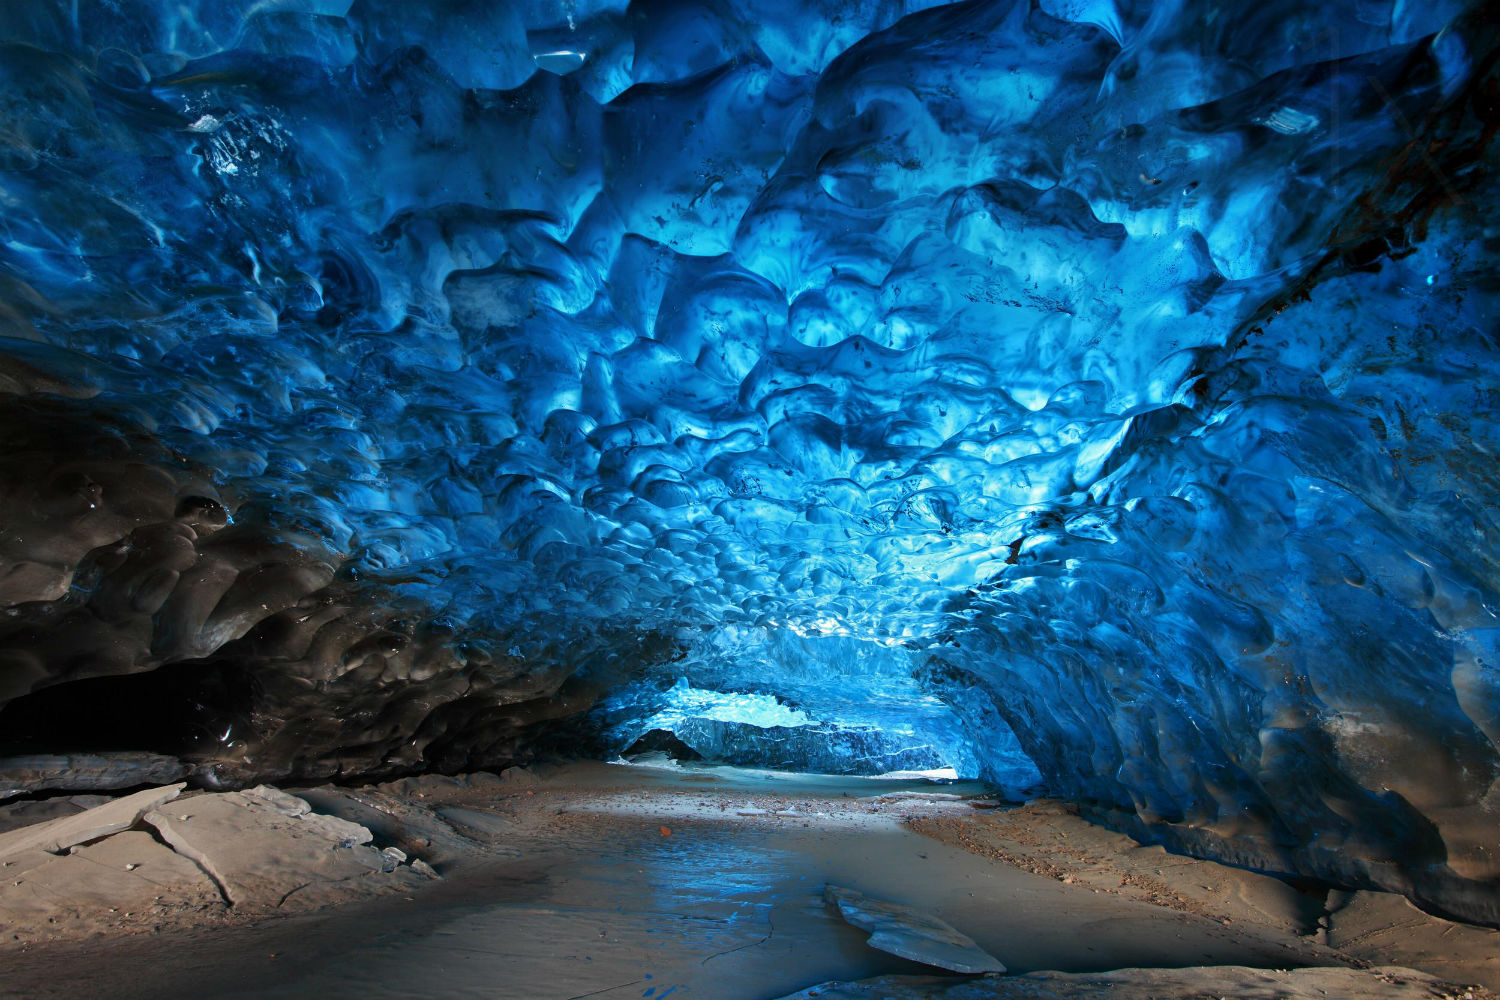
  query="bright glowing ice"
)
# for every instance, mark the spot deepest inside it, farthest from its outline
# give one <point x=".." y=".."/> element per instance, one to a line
<point x="759" y="710"/>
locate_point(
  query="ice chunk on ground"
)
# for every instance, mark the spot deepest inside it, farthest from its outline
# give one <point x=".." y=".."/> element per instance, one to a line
<point x="264" y="853"/>
<point x="112" y="817"/>
<point x="911" y="933"/>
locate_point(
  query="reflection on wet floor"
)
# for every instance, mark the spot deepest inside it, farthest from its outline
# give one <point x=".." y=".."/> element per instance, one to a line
<point x="615" y="883"/>
<point x="710" y="884"/>
<point x="696" y="911"/>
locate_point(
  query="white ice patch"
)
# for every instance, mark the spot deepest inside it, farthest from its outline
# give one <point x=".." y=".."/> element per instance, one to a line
<point x="1289" y="121"/>
<point x="760" y="710"/>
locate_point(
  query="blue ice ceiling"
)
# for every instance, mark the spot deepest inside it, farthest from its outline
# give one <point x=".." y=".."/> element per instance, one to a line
<point x="381" y="380"/>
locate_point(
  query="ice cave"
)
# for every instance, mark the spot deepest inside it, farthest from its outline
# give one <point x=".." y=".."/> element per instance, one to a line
<point x="1085" y="404"/>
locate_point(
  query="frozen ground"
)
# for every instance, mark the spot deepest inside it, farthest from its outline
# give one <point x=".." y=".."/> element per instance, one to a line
<point x="596" y="880"/>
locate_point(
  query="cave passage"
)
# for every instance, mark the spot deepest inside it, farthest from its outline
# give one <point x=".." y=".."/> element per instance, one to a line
<point x="1096" y="397"/>
<point x="827" y="705"/>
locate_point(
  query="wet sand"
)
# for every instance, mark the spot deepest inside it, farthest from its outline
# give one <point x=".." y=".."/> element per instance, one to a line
<point x="606" y="881"/>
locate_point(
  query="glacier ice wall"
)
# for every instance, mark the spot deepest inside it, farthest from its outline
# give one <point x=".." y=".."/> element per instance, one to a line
<point x="382" y="380"/>
<point x="833" y="704"/>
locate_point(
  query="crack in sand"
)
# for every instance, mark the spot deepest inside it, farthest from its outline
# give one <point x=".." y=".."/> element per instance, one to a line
<point x="129" y="871"/>
<point x="288" y="894"/>
<point x="607" y="989"/>
<point x="753" y="944"/>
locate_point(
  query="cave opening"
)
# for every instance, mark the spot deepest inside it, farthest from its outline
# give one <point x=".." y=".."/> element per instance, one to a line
<point x="783" y="700"/>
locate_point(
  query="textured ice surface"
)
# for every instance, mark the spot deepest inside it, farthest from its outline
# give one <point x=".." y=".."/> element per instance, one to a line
<point x="762" y="711"/>
<point x="383" y="379"/>
<point x="831" y="704"/>
<point x="757" y="730"/>
<point x="910" y="933"/>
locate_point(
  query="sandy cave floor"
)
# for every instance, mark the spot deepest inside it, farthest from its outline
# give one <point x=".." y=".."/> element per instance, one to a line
<point x="594" y="880"/>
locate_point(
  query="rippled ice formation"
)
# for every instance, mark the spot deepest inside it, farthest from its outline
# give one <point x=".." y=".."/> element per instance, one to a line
<point x="760" y="710"/>
<point x="382" y="379"/>
<point x="758" y="730"/>
<point x="771" y="698"/>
